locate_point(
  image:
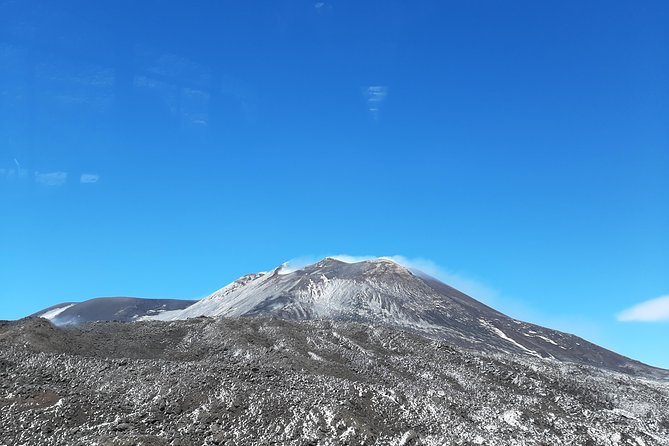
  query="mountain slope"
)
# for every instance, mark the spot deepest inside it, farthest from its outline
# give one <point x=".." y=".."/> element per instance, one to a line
<point x="381" y="292"/>
<point x="239" y="381"/>
<point x="110" y="308"/>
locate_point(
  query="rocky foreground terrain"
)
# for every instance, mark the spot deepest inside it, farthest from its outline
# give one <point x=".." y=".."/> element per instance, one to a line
<point x="264" y="381"/>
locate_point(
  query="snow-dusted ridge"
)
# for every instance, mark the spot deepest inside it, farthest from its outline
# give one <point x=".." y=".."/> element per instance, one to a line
<point x="381" y="291"/>
<point x="110" y="308"/>
<point x="313" y="289"/>
<point x="373" y="291"/>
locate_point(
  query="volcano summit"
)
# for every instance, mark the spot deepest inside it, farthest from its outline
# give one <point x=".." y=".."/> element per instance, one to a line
<point x="383" y="292"/>
<point x="334" y="353"/>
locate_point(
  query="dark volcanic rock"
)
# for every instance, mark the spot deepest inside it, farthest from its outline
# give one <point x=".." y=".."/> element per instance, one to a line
<point x="269" y="381"/>
<point x="110" y="309"/>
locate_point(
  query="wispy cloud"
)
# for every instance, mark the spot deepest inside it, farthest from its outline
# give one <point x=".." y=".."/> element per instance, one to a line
<point x="375" y="95"/>
<point x="11" y="174"/>
<point x="654" y="310"/>
<point x="55" y="178"/>
<point x="88" y="178"/>
<point x="14" y="173"/>
<point x="322" y="6"/>
<point x="51" y="178"/>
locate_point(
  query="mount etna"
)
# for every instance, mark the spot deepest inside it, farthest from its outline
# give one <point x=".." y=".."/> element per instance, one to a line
<point x="333" y="353"/>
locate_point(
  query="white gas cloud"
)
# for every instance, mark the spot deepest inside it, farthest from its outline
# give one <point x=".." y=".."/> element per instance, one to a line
<point x="88" y="178"/>
<point x="51" y="178"/>
<point x="654" y="310"/>
<point x="296" y="264"/>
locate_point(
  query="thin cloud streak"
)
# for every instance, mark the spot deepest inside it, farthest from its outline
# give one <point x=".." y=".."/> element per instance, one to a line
<point x="322" y="7"/>
<point x="375" y="94"/>
<point x="89" y="178"/>
<point x="12" y="173"/>
<point x="654" y="310"/>
<point x="51" y="178"/>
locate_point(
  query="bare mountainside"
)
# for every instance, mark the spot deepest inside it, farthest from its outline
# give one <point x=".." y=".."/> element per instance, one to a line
<point x="239" y="381"/>
<point x="110" y="309"/>
<point x="382" y="292"/>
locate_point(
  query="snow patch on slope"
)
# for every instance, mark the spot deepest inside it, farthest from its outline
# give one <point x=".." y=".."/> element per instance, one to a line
<point x="547" y="340"/>
<point x="502" y="335"/>
<point x="50" y="315"/>
<point x="533" y="334"/>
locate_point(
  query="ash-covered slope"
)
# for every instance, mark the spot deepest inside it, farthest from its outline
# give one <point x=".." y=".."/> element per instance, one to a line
<point x="240" y="381"/>
<point x="110" y="309"/>
<point x="382" y="292"/>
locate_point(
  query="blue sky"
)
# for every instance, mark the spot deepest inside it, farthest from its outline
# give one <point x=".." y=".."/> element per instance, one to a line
<point x="163" y="149"/>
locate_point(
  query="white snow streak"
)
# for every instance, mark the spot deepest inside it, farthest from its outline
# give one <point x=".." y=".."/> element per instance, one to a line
<point x="55" y="312"/>
<point x="502" y="335"/>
